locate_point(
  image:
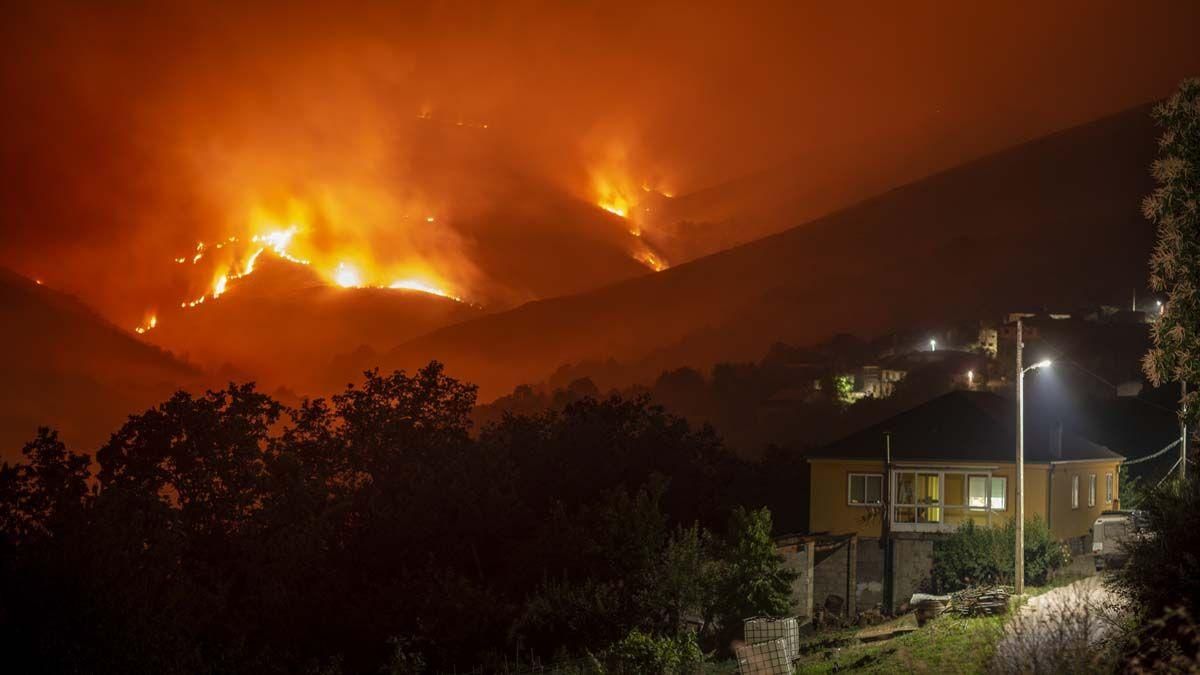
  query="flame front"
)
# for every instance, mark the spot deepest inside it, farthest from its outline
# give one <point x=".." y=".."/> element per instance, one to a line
<point x="285" y="238"/>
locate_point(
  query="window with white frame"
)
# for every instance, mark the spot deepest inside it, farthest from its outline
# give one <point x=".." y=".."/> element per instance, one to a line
<point x="1075" y="491"/>
<point x="977" y="492"/>
<point x="865" y="489"/>
<point x="1108" y="488"/>
<point x="1091" y="490"/>
<point x="999" y="493"/>
<point x="918" y="497"/>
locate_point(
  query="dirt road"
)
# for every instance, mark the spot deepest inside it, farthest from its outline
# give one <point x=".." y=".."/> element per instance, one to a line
<point x="1059" y="630"/>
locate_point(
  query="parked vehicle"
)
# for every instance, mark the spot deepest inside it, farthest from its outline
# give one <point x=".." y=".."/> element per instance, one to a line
<point x="1110" y="534"/>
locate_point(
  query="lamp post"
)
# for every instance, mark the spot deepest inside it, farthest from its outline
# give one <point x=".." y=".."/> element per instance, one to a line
<point x="1020" y="550"/>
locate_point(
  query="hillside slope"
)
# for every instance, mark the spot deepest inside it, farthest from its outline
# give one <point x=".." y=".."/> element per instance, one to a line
<point x="1051" y="222"/>
<point x="282" y="324"/>
<point x="64" y="366"/>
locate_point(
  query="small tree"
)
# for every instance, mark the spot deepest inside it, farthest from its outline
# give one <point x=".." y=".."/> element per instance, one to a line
<point x="1174" y="207"/>
<point x="752" y="580"/>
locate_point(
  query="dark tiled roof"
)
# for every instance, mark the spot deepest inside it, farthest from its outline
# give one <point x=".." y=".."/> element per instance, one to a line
<point x="961" y="426"/>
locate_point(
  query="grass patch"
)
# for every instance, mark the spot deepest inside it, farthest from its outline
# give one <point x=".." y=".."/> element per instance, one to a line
<point x="949" y="644"/>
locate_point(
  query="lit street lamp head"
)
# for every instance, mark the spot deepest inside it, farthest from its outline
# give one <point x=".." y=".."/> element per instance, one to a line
<point x="1044" y="363"/>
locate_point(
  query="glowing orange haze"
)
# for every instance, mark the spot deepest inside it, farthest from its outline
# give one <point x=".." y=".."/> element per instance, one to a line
<point x="434" y="146"/>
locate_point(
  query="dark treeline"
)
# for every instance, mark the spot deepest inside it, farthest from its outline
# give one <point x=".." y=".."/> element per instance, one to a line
<point x="375" y="532"/>
<point x="788" y="399"/>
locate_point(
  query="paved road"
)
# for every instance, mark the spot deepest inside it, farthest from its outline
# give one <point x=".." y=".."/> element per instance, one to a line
<point x="1058" y="630"/>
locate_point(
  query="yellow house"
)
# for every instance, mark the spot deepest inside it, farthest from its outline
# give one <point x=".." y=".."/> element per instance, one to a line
<point x="952" y="459"/>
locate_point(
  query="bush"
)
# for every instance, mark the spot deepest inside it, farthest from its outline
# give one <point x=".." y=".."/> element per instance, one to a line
<point x="976" y="555"/>
<point x="1164" y="560"/>
<point x="639" y="653"/>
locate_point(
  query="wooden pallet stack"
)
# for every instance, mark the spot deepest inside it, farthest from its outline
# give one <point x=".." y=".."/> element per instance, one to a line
<point x="981" y="601"/>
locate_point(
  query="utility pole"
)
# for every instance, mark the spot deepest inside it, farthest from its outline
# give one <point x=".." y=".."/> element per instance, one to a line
<point x="1020" y="550"/>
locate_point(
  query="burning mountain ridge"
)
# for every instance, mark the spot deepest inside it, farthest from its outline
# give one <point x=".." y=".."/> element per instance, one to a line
<point x="1051" y="222"/>
<point x="282" y="324"/>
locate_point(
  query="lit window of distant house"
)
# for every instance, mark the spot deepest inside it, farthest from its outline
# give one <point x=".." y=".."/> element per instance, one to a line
<point x="1108" y="488"/>
<point x="866" y="488"/>
<point x="1074" y="492"/>
<point x="1091" y="490"/>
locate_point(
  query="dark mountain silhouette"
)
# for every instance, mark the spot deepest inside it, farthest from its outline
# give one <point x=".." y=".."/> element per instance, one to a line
<point x="1051" y="222"/>
<point x="65" y="366"/>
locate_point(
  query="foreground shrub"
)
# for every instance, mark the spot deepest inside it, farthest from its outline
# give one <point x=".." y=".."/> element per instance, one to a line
<point x="975" y="555"/>
<point x="642" y="654"/>
<point x="1164" y="558"/>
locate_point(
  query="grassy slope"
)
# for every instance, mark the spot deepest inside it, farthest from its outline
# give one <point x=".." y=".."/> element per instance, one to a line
<point x="949" y="644"/>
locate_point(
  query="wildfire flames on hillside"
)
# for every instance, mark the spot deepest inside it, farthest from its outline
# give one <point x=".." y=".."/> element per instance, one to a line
<point x="291" y="240"/>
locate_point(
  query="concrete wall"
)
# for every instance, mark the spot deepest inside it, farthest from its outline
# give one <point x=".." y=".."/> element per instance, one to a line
<point x="834" y="566"/>
<point x="868" y="585"/>
<point x="824" y="566"/>
<point x="797" y="558"/>
<point x="912" y="561"/>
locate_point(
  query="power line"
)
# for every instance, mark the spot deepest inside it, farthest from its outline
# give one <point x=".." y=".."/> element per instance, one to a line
<point x="1150" y="457"/>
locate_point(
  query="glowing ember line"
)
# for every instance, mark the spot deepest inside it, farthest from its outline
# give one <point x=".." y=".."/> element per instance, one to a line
<point x="423" y="287"/>
<point x="652" y="261"/>
<point x="148" y="325"/>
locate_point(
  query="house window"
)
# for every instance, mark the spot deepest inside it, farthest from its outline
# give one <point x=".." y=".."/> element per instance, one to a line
<point x="1075" y="491"/>
<point x="866" y="489"/>
<point x="999" y="493"/>
<point x="1108" y="488"/>
<point x="1091" y="490"/>
<point x="977" y="492"/>
<point x="918" y="498"/>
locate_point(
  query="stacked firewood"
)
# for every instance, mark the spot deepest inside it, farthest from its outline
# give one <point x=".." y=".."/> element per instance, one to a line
<point x="981" y="601"/>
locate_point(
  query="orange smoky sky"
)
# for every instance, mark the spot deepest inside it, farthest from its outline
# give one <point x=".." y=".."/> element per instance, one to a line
<point x="132" y="130"/>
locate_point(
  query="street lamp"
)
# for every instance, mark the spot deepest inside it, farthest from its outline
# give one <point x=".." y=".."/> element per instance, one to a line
<point x="1020" y="550"/>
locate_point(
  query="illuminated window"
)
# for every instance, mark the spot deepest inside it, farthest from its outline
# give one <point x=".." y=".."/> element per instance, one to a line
<point x="918" y="498"/>
<point x="866" y="489"/>
<point x="1108" y="488"/>
<point x="999" y="493"/>
<point x="1075" y="492"/>
<point x="977" y="487"/>
<point x="1091" y="490"/>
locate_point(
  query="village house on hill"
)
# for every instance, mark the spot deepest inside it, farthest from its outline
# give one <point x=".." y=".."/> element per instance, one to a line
<point x="929" y="470"/>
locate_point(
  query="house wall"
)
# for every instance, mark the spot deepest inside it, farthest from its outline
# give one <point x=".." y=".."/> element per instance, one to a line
<point x="830" y="511"/>
<point x="1073" y="525"/>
